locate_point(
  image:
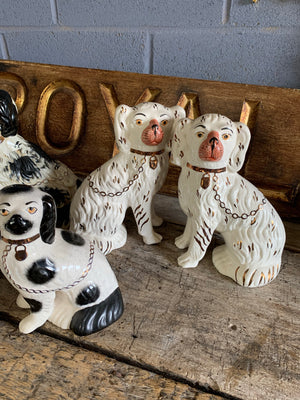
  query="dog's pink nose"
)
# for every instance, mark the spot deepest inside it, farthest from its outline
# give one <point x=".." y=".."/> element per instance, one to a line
<point x="154" y="124"/>
<point x="213" y="134"/>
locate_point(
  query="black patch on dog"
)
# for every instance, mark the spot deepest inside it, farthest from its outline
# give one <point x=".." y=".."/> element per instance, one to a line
<point x="99" y="316"/>
<point x="40" y="152"/>
<point x="17" y="188"/>
<point x="41" y="271"/>
<point x="8" y="115"/>
<point x="73" y="238"/>
<point x="35" y="306"/>
<point x="61" y="197"/>
<point x="88" y="295"/>
<point x="24" y="168"/>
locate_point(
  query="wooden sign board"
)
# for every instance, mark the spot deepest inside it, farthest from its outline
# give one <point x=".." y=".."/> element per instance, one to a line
<point x="69" y="112"/>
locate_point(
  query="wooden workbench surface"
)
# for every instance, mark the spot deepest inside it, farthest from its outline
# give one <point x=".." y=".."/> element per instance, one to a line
<point x="184" y="334"/>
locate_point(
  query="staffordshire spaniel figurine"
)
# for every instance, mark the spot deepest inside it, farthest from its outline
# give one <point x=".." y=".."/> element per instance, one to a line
<point x="210" y="150"/>
<point x="22" y="162"/>
<point x="60" y="276"/>
<point x="130" y="179"/>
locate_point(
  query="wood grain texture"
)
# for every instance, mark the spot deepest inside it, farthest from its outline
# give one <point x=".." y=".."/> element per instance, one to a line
<point x="40" y="367"/>
<point x="196" y="324"/>
<point x="271" y="164"/>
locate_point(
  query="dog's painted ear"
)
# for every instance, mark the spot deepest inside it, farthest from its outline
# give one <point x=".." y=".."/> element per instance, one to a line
<point x="47" y="228"/>
<point x="179" y="141"/>
<point x="121" y="115"/>
<point x="178" y="111"/>
<point x="238" y="154"/>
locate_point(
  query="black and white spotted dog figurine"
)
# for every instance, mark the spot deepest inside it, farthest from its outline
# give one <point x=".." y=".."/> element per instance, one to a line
<point x="22" y="162"/>
<point x="62" y="277"/>
<point x="210" y="150"/>
<point x="129" y="179"/>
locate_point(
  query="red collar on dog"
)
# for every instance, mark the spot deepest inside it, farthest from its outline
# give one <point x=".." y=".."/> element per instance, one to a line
<point x="147" y="153"/>
<point x="20" y="254"/>
<point x="206" y="170"/>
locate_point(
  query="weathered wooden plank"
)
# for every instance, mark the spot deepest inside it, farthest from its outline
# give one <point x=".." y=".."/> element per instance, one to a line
<point x="69" y="112"/>
<point x="196" y="324"/>
<point x="40" y="367"/>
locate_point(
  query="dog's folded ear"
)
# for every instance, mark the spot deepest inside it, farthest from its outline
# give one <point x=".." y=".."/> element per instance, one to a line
<point x="178" y="141"/>
<point x="178" y="112"/>
<point x="122" y="113"/>
<point x="8" y="115"/>
<point x="238" y="154"/>
<point x="47" y="228"/>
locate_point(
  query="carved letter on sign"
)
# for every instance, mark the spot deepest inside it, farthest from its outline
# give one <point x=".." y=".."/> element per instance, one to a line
<point x="72" y="89"/>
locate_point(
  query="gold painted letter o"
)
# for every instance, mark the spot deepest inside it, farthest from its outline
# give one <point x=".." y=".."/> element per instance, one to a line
<point x="77" y="126"/>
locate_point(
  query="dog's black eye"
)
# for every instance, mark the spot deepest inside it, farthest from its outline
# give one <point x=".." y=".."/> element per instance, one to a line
<point x="139" y="122"/>
<point x="200" y="134"/>
<point x="164" y="122"/>
<point x="4" y="212"/>
<point x="32" y="210"/>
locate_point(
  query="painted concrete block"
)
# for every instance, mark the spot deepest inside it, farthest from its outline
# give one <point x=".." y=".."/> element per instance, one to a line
<point x="142" y="13"/>
<point x="265" y="13"/>
<point x="259" y="57"/>
<point x="108" y="50"/>
<point x="25" y="13"/>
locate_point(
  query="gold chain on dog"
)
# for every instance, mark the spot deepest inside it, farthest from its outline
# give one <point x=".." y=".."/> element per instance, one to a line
<point x="125" y="189"/>
<point x="37" y="291"/>
<point x="228" y="211"/>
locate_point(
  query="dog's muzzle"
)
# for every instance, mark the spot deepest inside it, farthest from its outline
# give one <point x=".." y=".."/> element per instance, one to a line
<point x="18" y="225"/>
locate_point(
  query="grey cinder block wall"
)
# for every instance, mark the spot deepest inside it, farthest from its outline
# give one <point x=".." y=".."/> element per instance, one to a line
<point x="246" y="41"/>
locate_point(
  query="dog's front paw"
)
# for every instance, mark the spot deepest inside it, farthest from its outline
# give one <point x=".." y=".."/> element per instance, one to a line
<point x="181" y="242"/>
<point x="30" y="323"/>
<point x="187" y="261"/>
<point x="154" y="238"/>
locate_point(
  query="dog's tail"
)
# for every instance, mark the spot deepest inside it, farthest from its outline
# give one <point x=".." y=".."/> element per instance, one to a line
<point x="245" y="275"/>
<point x="109" y="243"/>
<point x="97" y="317"/>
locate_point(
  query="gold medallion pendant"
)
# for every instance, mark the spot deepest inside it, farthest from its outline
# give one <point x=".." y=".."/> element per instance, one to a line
<point x="205" y="180"/>
<point x="153" y="162"/>
<point x="20" y="254"/>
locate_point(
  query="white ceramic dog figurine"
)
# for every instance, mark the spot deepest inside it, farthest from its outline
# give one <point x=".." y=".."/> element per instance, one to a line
<point x="22" y="162"/>
<point x="129" y="179"/>
<point x="62" y="277"/>
<point x="210" y="150"/>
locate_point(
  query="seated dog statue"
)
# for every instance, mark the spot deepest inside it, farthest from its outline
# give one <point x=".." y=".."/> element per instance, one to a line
<point x="23" y="162"/>
<point x="130" y="179"/>
<point x="210" y="150"/>
<point x="61" y="276"/>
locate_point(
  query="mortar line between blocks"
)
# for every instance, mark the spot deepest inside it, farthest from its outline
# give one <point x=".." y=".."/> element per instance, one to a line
<point x="226" y="11"/>
<point x="148" y="65"/>
<point x="4" y="48"/>
<point x="54" y="12"/>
